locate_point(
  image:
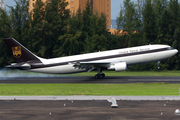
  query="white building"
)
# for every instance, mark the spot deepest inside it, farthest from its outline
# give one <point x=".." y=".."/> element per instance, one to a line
<point x="2" y="4"/>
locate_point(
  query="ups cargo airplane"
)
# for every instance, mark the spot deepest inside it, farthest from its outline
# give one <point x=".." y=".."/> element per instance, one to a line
<point x="117" y="60"/>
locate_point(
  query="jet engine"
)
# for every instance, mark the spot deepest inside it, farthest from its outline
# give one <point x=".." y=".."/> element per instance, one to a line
<point x="120" y="66"/>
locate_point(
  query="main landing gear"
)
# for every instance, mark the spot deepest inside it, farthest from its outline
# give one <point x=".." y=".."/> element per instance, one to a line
<point x="99" y="75"/>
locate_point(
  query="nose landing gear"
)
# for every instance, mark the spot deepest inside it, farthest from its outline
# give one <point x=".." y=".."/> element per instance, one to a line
<point x="158" y="64"/>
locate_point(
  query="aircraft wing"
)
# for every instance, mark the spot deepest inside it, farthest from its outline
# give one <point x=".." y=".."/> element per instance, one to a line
<point x="89" y="66"/>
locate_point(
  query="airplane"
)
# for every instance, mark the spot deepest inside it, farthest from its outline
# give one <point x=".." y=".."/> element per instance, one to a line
<point x="113" y="60"/>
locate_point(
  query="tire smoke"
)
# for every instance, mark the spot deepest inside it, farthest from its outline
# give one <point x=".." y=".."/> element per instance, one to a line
<point x="14" y="74"/>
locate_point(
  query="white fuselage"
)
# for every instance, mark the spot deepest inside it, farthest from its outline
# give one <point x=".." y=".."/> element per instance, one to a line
<point x="131" y="56"/>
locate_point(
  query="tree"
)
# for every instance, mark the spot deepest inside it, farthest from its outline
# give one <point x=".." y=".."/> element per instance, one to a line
<point x="75" y="22"/>
<point x="128" y="20"/>
<point x="18" y="19"/>
<point x="35" y="21"/>
<point x="57" y="18"/>
<point x="69" y="44"/>
<point x="13" y="25"/>
<point x="93" y="29"/>
<point x="149" y="24"/>
<point x="5" y="32"/>
<point x="48" y="23"/>
<point x="172" y="34"/>
<point x="87" y="13"/>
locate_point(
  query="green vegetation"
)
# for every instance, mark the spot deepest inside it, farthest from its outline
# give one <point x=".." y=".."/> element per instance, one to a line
<point x="94" y="89"/>
<point x="90" y="89"/>
<point x="52" y="31"/>
<point x="156" y="22"/>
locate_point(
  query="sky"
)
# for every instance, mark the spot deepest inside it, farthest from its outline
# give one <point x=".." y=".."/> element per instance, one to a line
<point x="115" y="6"/>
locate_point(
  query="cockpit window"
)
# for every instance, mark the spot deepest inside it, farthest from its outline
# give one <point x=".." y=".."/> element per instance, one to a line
<point x="170" y="48"/>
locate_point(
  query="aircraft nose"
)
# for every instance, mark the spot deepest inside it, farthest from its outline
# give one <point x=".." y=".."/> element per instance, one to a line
<point x="176" y="51"/>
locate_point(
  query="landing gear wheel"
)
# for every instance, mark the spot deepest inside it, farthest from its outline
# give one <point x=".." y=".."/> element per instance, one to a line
<point x="99" y="76"/>
<point x="103" y="75"/>
<point x="96" y="76"/>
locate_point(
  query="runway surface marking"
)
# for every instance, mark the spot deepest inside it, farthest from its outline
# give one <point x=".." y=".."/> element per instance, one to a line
<point x="89" y="97"/>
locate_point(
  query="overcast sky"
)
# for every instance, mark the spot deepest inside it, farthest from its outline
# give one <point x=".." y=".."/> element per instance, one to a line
<point x="115" y="6"/>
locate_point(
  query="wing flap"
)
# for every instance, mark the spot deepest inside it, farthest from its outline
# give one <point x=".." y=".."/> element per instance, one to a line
<point x="89" y="66"/>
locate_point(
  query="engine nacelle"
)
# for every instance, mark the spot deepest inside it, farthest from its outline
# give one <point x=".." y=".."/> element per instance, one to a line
<point x="120" y="66"/>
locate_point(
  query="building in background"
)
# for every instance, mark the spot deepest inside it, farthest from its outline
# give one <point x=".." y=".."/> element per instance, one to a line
<point x="100" y="6"/>
<point x="2" y="4"/>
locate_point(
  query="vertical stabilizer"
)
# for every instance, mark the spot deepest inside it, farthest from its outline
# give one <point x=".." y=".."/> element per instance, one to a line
<point x="19" y="52"/>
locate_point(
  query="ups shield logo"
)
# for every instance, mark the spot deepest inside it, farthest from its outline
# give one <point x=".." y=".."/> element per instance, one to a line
<point x="16" y="51"/>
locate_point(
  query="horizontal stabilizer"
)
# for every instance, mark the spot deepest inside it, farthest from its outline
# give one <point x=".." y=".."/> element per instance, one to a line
<point x="18" y="66"/>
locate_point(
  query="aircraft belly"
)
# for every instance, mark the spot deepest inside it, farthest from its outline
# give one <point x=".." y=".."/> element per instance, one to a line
<point x="136" y="59"/>
<point x="148" y="57"/>
<point x="131" y="60"/>
<point x="63" y="69"/>
<point x="163" y="55"/>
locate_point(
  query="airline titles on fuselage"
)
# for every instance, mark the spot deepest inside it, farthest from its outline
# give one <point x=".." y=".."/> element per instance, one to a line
<point x="134" y="50"/>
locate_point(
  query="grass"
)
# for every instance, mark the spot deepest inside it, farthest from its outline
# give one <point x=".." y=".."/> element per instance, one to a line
<point x="141" y="89"/>
<point x="95" y="89"/>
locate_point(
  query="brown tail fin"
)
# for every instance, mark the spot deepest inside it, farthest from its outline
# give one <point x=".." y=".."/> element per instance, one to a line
<point x="19" y="52"/>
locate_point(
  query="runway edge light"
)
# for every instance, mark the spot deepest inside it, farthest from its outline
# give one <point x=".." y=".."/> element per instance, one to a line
<point x="113" y="101"/>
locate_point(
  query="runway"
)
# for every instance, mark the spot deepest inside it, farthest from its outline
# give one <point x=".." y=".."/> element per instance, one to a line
<point x="86" y="97"/>
<point x="90" y="79"/>
<point x="88" y="110"/>
<point x="89" y="107"/>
